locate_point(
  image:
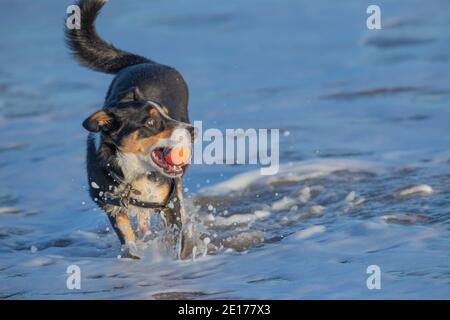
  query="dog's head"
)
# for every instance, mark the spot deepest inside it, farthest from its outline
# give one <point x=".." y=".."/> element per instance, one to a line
<point x="142" y="129"/>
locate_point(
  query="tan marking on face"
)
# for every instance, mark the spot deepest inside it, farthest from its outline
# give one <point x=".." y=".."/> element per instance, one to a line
<point x="101" y="118"/>
<point x="124" y="225"/>
<point x="133" y="144"/>
<point x="154" y="112"/>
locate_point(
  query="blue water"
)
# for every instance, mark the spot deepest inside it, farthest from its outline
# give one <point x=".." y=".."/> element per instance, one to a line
<point x="362" y="112"/>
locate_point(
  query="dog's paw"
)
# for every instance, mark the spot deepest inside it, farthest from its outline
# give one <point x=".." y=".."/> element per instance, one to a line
<point x="130" y="251"/>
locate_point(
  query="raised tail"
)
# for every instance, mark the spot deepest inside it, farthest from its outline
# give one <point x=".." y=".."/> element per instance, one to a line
<point x="90" y="50"/>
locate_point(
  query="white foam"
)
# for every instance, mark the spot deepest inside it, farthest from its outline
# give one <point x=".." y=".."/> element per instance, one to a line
<point x="262" y="214"/>
<point x="237" y="219"/>
<point x="309" y="232"/>
<point x="350" y="197"/>
<point x="293" y="172"/>
<point x="284" y="203"/>
<point x="317" y="209"/>
<point x="243" y="240"/>
<point x="39" y="262"/>
<point x="234" y="219"/>
<point x="421" y="189"/>
<point x="305" y="195"/>
<point x="7" y="210"/>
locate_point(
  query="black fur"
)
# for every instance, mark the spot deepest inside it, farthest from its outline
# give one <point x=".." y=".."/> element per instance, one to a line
<point x="90" y="50"/>
<point x="161" y="83"/>
<point x="125" y="109"/>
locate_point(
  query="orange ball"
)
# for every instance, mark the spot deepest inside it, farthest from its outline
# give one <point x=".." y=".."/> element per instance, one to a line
<point x="177" y="156"/>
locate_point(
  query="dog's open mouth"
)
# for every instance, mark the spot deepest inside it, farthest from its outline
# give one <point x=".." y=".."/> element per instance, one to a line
<point x="159" y="159"/>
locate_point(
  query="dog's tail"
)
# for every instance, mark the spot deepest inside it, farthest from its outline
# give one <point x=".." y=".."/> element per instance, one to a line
<point x="90" y="50"/>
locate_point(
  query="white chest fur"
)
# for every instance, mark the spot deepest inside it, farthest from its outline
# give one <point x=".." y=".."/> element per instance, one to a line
<point x="136" y="170"/>
<point x="133" y="166"/>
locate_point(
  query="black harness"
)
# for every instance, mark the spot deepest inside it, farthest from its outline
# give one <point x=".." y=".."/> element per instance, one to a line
<point x="124" y="198"/>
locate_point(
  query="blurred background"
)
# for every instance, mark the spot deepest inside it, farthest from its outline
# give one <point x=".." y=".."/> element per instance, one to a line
<point x="336" y="90"/>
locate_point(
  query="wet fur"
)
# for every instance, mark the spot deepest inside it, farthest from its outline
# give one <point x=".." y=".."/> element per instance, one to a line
<point x="136" y="80"/>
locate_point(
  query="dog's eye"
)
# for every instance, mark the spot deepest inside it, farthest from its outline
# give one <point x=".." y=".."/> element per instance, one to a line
<point x="151" y="123"/>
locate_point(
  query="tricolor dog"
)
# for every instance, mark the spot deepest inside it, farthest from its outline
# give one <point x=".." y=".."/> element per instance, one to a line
<point x="144" y="114"/>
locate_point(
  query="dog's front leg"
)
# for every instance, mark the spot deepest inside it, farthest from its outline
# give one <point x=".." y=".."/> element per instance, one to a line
<point x="121" y="224"/>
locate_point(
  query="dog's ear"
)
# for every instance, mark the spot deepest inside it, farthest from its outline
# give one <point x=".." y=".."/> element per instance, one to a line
<point x="138" y="95"/>
<point x="97" y="121"/>
<point x="133" y="94"/>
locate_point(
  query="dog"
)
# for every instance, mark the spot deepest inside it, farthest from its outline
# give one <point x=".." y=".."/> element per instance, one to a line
<point x="146" y="104"/>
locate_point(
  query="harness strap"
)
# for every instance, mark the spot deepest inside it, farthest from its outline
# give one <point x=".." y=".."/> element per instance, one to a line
<point x="124" y="199"/>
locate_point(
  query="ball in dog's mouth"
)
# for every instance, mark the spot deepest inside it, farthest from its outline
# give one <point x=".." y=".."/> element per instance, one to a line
<point x="158" y="158"/>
